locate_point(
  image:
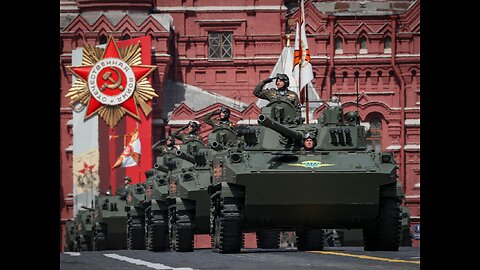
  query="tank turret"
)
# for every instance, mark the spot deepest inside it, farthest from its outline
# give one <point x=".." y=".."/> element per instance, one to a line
<point x="161" y="168"/>
<point x="282" y="129"/>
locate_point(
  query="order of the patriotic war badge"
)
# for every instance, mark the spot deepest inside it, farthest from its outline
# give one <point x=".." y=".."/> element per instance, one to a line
<point x="112" y="82"/>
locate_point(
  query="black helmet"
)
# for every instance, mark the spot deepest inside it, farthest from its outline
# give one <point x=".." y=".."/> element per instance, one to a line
<point x="284" y="78"/>
<point x="226" y="111"/>
<point x="312" y="135"/>
<point x="195" y="126"/>
<point x="170" y="140"/>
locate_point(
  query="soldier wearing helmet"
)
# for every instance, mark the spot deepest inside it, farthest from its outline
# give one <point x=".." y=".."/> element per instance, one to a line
<point x="191" y="132"/>
<point x="280" y="93"/>
<point x="222" y="121"/>
<point x="309" y="141"/>
<point x="166" y="145"/>
<point x="122" y="190"/>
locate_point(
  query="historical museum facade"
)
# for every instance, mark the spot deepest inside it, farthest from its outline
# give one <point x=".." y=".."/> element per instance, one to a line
<point x="207" y="54"/>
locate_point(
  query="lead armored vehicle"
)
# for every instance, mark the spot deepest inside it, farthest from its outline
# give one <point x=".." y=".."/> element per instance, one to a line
<point x="110" y="223"/>
<point x="273" y="183"/>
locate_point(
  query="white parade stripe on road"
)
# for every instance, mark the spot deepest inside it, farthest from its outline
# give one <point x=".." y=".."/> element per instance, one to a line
<point x="73" y="253"/>
<point x="158" y="266"/>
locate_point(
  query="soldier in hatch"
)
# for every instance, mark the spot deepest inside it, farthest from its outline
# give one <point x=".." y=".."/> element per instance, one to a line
<point x="191" y="133"/>
<point x="222" y="121"/>
<point x="165" y="146"/>
<point x="280" y="93"/>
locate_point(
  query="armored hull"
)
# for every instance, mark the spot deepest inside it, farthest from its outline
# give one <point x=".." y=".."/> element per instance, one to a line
<point x="275" y="182"/>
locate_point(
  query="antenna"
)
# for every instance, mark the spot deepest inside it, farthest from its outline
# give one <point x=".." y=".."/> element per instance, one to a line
<point x="357" y="74"/>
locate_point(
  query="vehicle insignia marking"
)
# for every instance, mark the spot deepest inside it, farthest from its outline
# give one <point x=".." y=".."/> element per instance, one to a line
<point x="311" y="164"/>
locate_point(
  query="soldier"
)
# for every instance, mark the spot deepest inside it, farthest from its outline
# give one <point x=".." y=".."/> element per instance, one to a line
<point x="165" y="146"/>
<point x="192" y="129"/>
<point x="223" y="121"/>
<point x="281" y="93"/>
<point x="122" y="190"/>
<point x="309" y="141"/>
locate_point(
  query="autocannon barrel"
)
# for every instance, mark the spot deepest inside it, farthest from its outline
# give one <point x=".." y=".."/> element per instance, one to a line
<point x="186" y="156"/>
<point x="285" y="131"/>
<point x="161" y="168"/>
<point x="216" y="145"/>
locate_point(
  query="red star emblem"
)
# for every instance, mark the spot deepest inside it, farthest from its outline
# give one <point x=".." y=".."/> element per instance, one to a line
<point x="111" y="81"/>
<point x="86" y="168"/>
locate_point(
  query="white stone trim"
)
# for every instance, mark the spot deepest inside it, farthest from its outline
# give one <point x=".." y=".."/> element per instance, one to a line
<point x="69" y="148"/>
<point x="412" y="197"/>
<point x="394" y="147"/>
<point x="417" y="185"/>
<point x="69" y="123"/>
<point x="221" y="8"/>
<point x="412" y="122"/>
<point x="163" y="54"/>
<point x="412" y="147"/>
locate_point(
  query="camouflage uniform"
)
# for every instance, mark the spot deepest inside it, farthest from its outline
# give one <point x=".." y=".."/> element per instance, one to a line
<point x="274" y="94"/>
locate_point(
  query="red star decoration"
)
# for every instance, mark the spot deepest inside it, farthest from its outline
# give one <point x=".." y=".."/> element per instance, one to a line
<point x="140" y="72"/>
<point x="86" y="168"/>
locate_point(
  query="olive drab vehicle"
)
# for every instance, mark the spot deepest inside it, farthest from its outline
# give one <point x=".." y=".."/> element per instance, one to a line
<point x="70" y="243"/>
<point x="188" y="199"/>
<point x="84" y="228"/>
<point x="273" y="184"/>
<point x="156" y="208"/>
<point x="110" y="223"/>
<point x="135" y="207"/>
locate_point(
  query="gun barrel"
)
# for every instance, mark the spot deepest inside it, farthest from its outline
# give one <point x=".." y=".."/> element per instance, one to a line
<point x="161" y="168"/>
<point x="216" y="145"/>
<point x="186" y="156"/>
<point x="285" y="131"/>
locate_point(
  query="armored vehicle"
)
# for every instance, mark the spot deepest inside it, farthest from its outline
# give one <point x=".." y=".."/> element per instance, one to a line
<point x="70" y="243"/>
<point x="156" y="209"/>
<point x="135" y="207"/>
<point x="273" y="183"/>
<point x="188" y="199"/>
<point x="84" y="228"/>
<point x="110" y="223"/>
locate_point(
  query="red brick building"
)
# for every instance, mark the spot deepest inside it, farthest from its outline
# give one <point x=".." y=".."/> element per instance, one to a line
<point x="210" y="53"/>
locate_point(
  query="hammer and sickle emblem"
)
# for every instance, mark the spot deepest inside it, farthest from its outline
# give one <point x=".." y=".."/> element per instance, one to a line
<point x="115" y="84"/>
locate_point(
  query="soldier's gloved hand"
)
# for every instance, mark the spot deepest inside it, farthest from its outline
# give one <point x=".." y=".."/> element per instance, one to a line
<point x="269" y="80"/>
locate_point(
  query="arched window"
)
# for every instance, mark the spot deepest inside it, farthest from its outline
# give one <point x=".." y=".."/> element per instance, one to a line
<point x="338" y="45"/>
<point x="102" y="39"/>
<point x="363" y="45"/>
<point x="387" y="45"/>
<point x="374" y="134"/>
